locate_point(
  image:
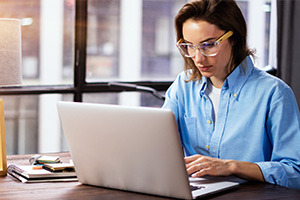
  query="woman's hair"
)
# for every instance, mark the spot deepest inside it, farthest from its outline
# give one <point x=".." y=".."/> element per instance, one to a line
<point x="226" y="15"/>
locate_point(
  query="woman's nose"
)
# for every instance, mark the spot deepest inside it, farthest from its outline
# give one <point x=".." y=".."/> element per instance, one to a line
<point x="199" y="57"/>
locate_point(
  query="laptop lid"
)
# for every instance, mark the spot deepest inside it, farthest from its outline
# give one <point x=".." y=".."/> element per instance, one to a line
<point x="129" y="148"/>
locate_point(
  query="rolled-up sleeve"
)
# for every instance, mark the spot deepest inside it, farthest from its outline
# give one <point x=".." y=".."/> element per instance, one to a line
<point x="283" y="129"/>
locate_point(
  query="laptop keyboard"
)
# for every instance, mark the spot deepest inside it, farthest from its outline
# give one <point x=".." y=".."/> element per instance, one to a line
<point x="194" y="187"/>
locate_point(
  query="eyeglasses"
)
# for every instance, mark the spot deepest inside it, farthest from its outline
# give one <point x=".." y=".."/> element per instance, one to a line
<point x="206" y="48"/>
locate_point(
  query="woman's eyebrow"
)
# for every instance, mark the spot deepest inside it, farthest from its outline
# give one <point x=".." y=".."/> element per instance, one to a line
<point x="208" y="39"/>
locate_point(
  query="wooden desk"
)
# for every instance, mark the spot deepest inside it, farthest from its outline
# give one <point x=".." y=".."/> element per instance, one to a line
<point x="11" y="188"/>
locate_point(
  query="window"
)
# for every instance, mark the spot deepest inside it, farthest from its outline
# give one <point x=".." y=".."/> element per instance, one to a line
<point x="132" y="40"/>
<point x="47" y="59"/>
<point x="73" y="48"/>
<point x="258" y="17"/>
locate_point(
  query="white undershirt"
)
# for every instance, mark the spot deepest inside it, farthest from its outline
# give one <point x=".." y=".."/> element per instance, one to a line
<point x="214" y="95"/>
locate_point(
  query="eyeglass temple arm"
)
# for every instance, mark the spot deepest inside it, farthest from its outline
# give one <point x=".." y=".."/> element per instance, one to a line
<point x="225" y="36"/>
<point x="180" y="41"/>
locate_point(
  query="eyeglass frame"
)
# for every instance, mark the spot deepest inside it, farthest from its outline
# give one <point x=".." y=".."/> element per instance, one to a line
<point x="225" y="36"/>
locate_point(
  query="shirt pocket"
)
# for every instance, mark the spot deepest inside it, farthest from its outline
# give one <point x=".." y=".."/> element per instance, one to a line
<point x="191" y="131"/>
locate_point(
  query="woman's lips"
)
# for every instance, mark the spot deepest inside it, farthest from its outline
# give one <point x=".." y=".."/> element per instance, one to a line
<point x="204" y="68"/>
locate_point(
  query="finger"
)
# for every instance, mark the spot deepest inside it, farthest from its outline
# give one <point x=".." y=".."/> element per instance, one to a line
<point x="198" y="161"/>
<point x="201" y="172"/>
<point x="190" y="159"/>
<point x="194" y="168"/>
<point x="198" y="174"/>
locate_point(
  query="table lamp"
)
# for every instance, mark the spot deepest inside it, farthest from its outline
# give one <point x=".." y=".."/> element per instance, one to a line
<point x="10" y="72"/>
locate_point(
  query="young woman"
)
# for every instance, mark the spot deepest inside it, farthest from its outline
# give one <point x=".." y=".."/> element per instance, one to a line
<point x="233" y="118"/>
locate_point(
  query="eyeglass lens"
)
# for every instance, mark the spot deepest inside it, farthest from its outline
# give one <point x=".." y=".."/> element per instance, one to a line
<point x="207" y="49"/>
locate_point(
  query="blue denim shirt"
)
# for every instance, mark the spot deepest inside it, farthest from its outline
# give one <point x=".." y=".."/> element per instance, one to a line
<point x="258" y="121"/>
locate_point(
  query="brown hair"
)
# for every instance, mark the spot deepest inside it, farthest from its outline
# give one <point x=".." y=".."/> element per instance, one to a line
<point x="226" y="15"/>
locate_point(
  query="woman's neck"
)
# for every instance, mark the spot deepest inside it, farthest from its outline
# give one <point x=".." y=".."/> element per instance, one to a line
<point x="218" y="83"/>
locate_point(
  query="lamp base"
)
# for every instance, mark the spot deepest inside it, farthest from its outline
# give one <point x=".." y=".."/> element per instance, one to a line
<point x="3" y="161"/>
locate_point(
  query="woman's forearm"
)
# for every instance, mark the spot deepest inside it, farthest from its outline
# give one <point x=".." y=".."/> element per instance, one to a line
<point x="246" y="170"/>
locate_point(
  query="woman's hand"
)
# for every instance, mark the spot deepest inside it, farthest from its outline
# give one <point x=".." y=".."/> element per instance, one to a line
<point x="198" y="165"/>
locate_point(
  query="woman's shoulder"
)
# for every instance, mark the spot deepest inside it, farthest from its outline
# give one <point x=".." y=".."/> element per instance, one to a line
<point x="269" y="82"/>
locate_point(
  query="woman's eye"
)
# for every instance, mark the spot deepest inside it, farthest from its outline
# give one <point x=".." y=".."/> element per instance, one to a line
<point x="190" y="46"/>
<point x="207" y="45"/>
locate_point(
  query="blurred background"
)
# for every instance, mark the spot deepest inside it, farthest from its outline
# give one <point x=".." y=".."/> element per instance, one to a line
<point x="130" y="41"/>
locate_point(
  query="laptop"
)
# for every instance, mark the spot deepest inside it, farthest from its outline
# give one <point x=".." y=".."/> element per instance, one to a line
<point x="131" y="148"/>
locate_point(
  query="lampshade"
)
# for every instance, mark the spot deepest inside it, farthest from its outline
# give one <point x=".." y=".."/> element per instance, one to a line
<point x="10" y="52"/>
<point x="10" y="72"/>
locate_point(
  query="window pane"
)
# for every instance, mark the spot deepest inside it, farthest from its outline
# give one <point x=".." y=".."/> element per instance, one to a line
<point x="103" y="40"/>
<point x="132" y="40"/>
<point x="258" y="17"/>
<point x="32" y="124"/>
<point x="47" y="38"/>
<point x="161" y="59"/>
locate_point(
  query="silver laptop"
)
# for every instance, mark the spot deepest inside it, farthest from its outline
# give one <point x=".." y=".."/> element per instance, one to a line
<point x="131" y="148"/>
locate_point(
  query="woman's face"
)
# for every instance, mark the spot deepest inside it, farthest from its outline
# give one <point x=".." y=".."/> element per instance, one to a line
<point x="214" y="67"/>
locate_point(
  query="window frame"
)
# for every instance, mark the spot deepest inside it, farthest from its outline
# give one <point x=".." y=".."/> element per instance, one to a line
<point x="80" y="86"/>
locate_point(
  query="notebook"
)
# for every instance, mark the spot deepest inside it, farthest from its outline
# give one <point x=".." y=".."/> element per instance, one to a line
<point x="131" y="148"/>
<point x="26" y="174"/>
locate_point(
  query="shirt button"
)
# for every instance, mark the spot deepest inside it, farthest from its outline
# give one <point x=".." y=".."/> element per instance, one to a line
<point x="235" y="95"/>
<point x="207" y="146"/>
<point x="208" y="121"/>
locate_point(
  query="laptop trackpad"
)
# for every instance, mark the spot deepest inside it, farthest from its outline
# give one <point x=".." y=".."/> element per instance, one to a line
<point x="209" y="184"/>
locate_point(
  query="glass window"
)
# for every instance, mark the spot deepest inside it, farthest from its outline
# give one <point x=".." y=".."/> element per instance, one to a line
<point x="47" y="53"/>
<point x="47" y="39"/>
<point x="103" y="40"/>
<point x="132" y="40"/>
<point x="258" y="17"/>
<point x="32" y="124"/>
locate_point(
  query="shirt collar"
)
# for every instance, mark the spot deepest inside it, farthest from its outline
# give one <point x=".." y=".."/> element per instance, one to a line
<point x="235" y="81"/>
